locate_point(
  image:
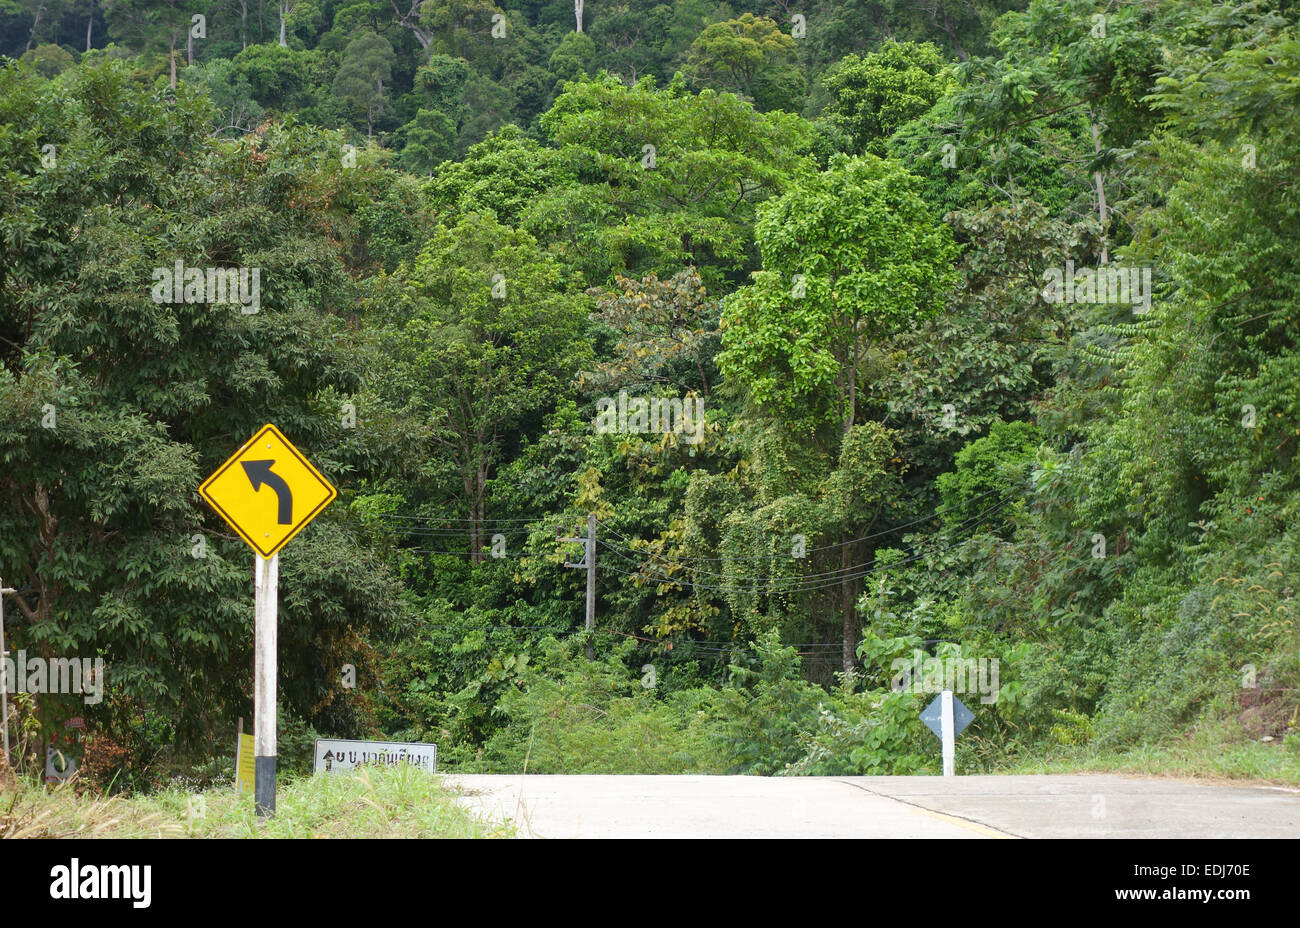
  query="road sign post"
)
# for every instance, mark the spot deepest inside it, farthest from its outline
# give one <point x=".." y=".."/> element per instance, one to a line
<point x="266" y="521"/>
<point x="4" y="682"/>
<point x="266" y="586"/>
<point x="948" y="738"/>
<point x="947" y="717"/>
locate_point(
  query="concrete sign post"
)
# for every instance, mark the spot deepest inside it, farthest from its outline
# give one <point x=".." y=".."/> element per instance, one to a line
<point x="266" y="587"/>
<point x="587" y="563"/>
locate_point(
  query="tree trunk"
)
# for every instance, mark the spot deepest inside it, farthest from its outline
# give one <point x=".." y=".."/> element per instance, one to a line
<point x="284" y="15"/>
<point x="475" y="484"/>
<point x="243" y="23"/>
<point x="171" y="59"/>
<point x="848" y="607"/>
<point x="946" y="27"/>
<point x="476" y="509"/>
<point x="851" y="413"/>
<point x="1103" y="213"/>
<point x="90" y="25"/>
<point x="577" y="13"/>
<point x="47" y="530"/>
<point x="480" y="506"/>
<point x="31" y="37"/>
<point x="408" y="20"/>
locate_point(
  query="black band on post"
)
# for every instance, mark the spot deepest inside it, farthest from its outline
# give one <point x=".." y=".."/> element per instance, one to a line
<point x="264" y="784"/>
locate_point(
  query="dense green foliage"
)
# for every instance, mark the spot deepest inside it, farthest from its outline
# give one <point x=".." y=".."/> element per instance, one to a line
<point x="482" y="232"/>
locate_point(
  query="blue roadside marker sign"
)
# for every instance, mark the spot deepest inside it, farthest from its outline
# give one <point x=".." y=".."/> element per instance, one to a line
<point x="961" y="716"/>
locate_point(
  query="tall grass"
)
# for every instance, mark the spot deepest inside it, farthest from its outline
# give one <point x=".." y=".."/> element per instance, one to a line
<point x="402" y="802"/>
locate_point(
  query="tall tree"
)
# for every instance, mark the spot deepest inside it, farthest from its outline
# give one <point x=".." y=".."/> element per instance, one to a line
<point x="153" y="25"/>
<point x="116" y="397"/>
<point x="286" y="8"/>
<point x="850" y="256"/>
<point x="669" y="178"/>
<point x="367" y="64"/>
<point x="733" y="53"/>
<point x="873" y="95"/>
<point x="486" y="341"/>
<point x="1066" y="58"/>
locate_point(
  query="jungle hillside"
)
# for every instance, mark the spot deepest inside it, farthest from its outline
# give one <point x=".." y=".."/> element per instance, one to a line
<point x="839" y="344"/>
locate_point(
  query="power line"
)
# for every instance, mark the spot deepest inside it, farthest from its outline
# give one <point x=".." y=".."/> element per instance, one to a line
<point x="449" y="532"/>
<point x="487" y="556"/>
<point x="850" y="541"/>
<point x="455" y="527"/>
<point x="803" y="583"/>
<point x="832" y="576"/>
<point x="790" y="585"/>
<point x="437" y="517"/>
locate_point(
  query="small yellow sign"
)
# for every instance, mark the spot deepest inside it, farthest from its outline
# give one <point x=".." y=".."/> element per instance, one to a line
<point x="245" y="768"/>
<point x="267" y="491"/>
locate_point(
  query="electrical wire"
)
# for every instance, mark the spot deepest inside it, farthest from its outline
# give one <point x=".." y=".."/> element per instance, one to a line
<point x="835" y="575"/>
<point x="840" y="544"/>
<point x="775" y="586"/>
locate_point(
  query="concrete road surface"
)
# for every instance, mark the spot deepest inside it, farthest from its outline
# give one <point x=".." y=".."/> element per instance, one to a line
<point x="879" y="807"/>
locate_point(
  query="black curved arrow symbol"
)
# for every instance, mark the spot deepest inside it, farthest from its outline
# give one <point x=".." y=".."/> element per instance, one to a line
<point x="259" y="472"/>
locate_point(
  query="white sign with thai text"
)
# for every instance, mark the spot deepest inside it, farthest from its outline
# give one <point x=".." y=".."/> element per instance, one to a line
<point x="335" y="754"/>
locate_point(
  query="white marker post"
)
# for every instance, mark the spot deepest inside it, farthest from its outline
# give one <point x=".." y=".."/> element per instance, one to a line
<point x="4" y="682"/>
<point x="266" y="583"/>
<point x="948" y="737"/>
<point x="591" y="580"/>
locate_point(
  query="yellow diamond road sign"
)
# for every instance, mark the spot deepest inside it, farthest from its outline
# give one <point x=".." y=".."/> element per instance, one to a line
<point x="267" y="491"/>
